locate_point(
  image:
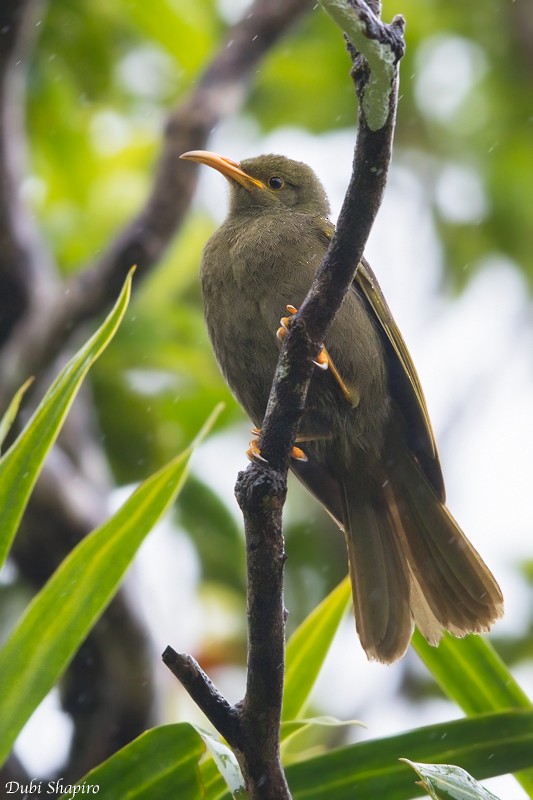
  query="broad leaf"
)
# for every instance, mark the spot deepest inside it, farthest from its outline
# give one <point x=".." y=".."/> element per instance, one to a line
<point x="447" y="782"/>
<point x="164" y="763"/>
<point x="160" y="764"/>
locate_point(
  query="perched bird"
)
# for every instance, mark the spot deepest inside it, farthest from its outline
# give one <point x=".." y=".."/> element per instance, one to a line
<point x="371" y="457"/>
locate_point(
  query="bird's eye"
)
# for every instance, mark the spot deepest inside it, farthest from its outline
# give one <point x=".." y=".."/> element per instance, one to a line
<point x="275" y="182"/>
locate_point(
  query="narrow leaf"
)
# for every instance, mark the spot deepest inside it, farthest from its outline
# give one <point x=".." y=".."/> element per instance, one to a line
<point x="295" y="726"/>
<point x="20" y="466"/>
<point x="447" y="782"/>
<point x="471" y="672"/>
<point x="60" y="616"/>
<point x="12" y="410"/>
<point x="485" y="746"/>
<point x="307" y="648"/>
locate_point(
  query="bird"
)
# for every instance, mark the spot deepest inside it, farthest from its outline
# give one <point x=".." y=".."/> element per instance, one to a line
<point x="365" y="447"/>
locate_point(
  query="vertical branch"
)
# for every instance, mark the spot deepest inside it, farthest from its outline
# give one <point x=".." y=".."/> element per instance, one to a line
<point x="261" y="496"/>
<point x="252" y="727"/>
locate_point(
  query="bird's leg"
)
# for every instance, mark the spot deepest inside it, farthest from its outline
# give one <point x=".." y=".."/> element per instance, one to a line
<point x="254" y="451"/>
<point x="322" y="361"/>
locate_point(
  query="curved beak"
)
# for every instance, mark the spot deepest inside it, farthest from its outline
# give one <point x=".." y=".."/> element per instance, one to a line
<point x="230" y="169"/>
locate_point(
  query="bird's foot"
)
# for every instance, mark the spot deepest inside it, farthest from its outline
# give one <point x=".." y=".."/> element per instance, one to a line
<point x="254" y="451"/>
<point x="284" y="323"/>
<point x="350" y="395"/>
<point x="322" y="361"/>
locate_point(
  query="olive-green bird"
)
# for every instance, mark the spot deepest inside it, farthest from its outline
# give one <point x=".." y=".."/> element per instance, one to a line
<point x="371" y="455"/>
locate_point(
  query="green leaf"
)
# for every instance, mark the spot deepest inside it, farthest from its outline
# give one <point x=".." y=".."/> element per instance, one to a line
<point x="447" y="782"/>
<point x="215" y="788"/>
<point x="215" y="532"/>
<point x="7" y="420"/>
<point x="487" y="745"/>
<point x="60" y="616"/>
<point x="226" y="763"/>
<point x="296" y="726"/>
<point x="471" y="673"/>
<point x="308" y="647"/>
<point x="160" y="764"/>
<point x="21" y="464"/>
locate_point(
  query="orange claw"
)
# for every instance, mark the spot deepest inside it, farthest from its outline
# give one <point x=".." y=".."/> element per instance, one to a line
<point x="284" y="322"/>
<point x="322" y="359"/>
<point x="298" y="454"/>
<point x="254" y="453"/>
<point x="282" y="330"/>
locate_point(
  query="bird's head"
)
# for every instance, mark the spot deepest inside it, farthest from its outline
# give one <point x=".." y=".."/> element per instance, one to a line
<point x="267" y="183"/>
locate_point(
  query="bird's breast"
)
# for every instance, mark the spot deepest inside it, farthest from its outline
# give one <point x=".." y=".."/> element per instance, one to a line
<point x="249" y="275"/>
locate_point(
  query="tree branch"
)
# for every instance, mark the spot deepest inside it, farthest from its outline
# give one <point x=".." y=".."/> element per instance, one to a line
<point x="222" y="715"/>
<point x="261" y="489"/>
<point x="27" y="273"/>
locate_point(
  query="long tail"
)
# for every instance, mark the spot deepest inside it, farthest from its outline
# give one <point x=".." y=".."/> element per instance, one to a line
<point x="410" y="562"/>
<point x="381" y="582"/>
<point x="459" y="588"/>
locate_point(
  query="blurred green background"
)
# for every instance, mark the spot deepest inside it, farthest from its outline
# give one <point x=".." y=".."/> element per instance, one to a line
<point x="103" y="79"/>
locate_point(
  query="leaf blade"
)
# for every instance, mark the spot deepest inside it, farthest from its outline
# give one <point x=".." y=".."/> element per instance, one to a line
<point x="471" y="673"/>
<point x="30" y="663"/>
<point x="11" y="412"/>
<point x="161" y="763"/>
<point x="308" y="647"/>
<point x="448" y="782"/>
<point x="486" y="746"/>
<point x="20" y="465"/>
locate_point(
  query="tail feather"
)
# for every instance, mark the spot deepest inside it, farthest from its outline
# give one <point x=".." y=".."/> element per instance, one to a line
<point x="409" y="560"/>
<point x="458" y="587"/>
<point x="380" y="579"/>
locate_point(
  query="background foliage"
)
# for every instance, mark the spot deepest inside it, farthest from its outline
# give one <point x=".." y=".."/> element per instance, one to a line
<point x="101" y="81"/>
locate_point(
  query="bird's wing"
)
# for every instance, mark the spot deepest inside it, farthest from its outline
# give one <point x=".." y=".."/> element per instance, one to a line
<point x="404" y="384"/>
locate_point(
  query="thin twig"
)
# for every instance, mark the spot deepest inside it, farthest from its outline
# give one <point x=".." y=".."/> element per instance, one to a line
<point x="218" y="711"/>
